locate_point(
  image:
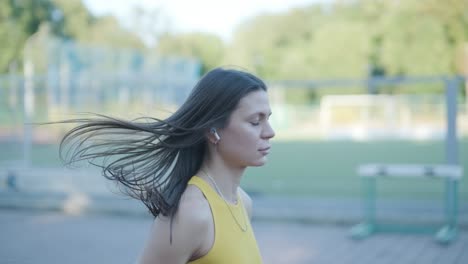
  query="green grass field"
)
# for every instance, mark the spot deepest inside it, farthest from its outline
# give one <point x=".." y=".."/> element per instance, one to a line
<point x="321" y="169"/>
<point x="329" y="168"/>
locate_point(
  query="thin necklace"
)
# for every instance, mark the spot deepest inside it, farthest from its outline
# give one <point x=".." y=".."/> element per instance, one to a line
<point x="243" y="228"/>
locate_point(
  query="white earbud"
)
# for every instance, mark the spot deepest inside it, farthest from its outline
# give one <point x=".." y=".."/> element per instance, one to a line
<point x="215" y="133"/>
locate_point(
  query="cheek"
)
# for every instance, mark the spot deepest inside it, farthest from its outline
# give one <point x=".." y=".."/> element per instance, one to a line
<point x="247" y="135"/>
<point x="241" y="141"/>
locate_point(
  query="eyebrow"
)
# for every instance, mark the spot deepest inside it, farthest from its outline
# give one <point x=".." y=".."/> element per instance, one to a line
<point x="261" y="114"/>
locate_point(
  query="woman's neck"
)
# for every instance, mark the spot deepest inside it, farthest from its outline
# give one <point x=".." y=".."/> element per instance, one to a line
<point x="226" y="179"/>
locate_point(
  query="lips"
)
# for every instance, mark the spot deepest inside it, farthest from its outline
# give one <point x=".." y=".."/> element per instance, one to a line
<point x="264" y="149"/>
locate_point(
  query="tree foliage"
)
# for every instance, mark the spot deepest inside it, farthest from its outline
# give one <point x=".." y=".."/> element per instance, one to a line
<point x="67" y="19"/>
<point x="355" y="39"/>
<point x="346" y="39"/>
<point x="208" y="48"/>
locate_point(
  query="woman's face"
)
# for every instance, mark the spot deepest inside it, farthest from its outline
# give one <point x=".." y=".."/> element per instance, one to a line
<point x="245" y="141"/>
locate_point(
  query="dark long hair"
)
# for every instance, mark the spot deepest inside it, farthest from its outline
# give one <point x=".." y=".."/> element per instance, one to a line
<point x="153" y="159"/>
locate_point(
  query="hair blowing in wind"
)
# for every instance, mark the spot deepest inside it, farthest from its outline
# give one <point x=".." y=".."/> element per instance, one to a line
<point x="153" y="159"/>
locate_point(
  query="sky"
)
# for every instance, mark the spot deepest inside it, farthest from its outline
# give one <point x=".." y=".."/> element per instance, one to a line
<point x="213" y="16"/>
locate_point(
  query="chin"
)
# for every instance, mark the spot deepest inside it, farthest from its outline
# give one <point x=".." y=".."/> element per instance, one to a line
<point x="260" y="162"/>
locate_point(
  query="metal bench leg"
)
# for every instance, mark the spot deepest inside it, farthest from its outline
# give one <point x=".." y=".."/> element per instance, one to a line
<point x="449" y="231"/>
<point x="368" y="227"/>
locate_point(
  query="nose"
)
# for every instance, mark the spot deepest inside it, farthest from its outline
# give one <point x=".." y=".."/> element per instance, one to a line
<point x="268" y="131"/>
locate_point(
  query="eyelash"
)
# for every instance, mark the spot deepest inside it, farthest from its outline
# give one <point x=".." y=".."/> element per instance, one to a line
<point x="258" y="123"/>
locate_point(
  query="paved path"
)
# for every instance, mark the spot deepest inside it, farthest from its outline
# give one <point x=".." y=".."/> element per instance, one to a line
<point x="277" y="208"/>
<point x="41" y="237"/>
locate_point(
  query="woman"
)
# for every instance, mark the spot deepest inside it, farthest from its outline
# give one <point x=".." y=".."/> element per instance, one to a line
<point x="187" y="168"/>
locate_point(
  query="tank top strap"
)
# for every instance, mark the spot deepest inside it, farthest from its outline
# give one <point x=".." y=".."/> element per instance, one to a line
<point x="211" y="195"/>
<point x="206" y="189"/>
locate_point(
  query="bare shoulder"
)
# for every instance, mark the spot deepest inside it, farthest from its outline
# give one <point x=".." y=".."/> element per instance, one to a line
<point x="247" y="201"/>
<point x="194" y="208"/>
<point x="179" y="239"/>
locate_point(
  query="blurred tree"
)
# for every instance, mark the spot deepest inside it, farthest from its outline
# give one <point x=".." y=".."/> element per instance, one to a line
<point x="453" y="15"/>
<point x="75" y="18"/>
<point x="277" y="46"/>
<point x="371" y="15"/>
<point x="149" y="24"/>
<point x="350" y="39"/>
<point x="10" y="34"/>
<point x="106" y="31"/>
<point x="206" y="47"/>
<point x="341" y="49"/>
<point x="19" y="20"/>
<point x="69" y="19"/>
<point x="413" y="43"/>
<point x="354" y="39"/>
<point x="79" y="24"/>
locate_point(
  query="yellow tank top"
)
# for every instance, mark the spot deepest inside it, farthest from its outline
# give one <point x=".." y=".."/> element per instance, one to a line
<point x="231" y="244"/>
